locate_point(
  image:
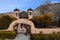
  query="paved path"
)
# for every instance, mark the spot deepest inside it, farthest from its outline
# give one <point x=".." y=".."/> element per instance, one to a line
<point x="22" y="37"/>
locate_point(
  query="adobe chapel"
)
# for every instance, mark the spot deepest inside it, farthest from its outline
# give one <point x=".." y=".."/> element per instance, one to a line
<point x="22" y="24"/>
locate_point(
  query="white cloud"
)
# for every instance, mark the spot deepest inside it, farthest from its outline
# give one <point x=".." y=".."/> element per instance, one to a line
<point x="55" y="1"/>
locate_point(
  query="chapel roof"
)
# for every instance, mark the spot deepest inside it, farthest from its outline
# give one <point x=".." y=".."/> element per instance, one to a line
<point x="23" y="14"/>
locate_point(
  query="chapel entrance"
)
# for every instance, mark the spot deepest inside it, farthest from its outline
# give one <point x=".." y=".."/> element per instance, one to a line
<point x="19" y="24"/>
<point x="22" y="28"/>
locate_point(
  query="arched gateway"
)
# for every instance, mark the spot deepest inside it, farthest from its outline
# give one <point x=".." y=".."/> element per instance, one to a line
<point x="24" y="24"/>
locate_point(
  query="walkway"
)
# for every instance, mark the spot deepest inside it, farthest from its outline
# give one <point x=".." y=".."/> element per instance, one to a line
<point x="22" y="37"/>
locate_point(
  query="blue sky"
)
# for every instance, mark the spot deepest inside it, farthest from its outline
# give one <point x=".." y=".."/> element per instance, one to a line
<point x="10" y="5"/>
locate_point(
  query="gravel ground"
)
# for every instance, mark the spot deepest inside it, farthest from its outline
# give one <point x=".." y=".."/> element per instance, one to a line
<point x="22" y="37"/>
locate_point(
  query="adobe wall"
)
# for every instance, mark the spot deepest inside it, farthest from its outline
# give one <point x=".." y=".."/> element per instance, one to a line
<point x="25" y="21"/>
<point x="33" y="29"/>
<point x="46" y="30"/>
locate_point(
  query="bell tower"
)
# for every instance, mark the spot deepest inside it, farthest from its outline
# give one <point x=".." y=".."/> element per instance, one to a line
<point x="30" y="13"/>
<point x="16" y="12"/>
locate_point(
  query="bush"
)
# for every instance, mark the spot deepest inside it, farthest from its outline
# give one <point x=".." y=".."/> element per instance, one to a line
<point x="42" y="21"/>
<point x="46" y="36"/>
<point x="5" y="21"/>
<point x="7" y="34"/>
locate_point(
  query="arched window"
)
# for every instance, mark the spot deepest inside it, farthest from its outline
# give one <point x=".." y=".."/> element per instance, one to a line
<point x="16" y="14"/>
<point x="30" y="13"/>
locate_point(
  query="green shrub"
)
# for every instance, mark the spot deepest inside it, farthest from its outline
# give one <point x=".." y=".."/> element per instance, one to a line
<point x="7" y="34"/>
<point x="42" y="21"/>
<point x="5" y="21"/>
<point x="46" y="36"/>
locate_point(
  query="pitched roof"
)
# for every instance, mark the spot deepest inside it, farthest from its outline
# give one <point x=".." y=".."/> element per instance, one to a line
<point x="23" y="14"/>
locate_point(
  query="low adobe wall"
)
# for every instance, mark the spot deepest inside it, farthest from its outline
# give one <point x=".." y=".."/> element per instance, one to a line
<point x="46" y="30"/>
<point x="33" y="29"/>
